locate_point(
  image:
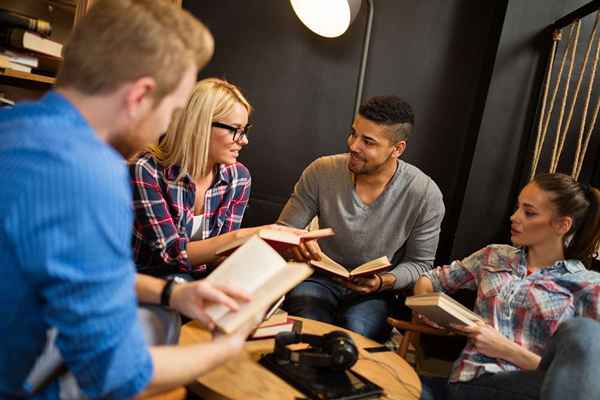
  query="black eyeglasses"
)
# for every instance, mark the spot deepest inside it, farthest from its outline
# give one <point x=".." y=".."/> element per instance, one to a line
<point x="238" y="133"/>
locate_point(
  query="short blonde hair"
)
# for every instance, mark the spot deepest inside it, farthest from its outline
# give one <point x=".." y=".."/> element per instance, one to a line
<point x="187" y="140"/>
<point x="120" y="41"/>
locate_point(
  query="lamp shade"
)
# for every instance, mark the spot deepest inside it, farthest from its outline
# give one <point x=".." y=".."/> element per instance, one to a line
<point x="328" y="18"/>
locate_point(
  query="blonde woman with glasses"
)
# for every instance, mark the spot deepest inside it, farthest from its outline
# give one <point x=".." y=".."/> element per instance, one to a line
<point x="189" y="190"/>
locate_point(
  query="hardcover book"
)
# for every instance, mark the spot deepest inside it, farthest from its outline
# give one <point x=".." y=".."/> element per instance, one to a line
<point x="442" y="309"/>
<point x="23" y="39"/>
<point x="279" y="239"/>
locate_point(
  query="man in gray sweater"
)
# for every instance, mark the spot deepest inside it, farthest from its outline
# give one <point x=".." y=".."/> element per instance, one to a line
<point x="378" y="206"/>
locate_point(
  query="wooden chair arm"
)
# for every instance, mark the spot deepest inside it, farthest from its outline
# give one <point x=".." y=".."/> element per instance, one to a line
<point x="416" y="327"/>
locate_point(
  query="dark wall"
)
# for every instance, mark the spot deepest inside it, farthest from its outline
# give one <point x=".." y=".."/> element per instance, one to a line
<point x="435" y="54"/>
<point x="501" y="161"/>
<point x="469" y="68"/>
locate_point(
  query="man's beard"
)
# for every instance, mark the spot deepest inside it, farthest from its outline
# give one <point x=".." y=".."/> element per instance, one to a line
<point x="131" y="142"/>
<point x="368" y="170"/>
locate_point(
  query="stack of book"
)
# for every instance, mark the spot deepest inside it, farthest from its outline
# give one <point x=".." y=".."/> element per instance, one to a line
<point x="276" y="323"/>
<point x="24" y="45"/>
<point x="442" y="309"/>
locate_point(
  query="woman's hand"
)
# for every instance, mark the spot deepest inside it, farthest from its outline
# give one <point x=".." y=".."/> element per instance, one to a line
<point x="487" y="340"/>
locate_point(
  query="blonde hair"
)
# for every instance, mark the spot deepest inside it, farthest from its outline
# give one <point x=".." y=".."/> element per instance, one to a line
<point x="187" y="140"/>
<point x="120" y="41"/>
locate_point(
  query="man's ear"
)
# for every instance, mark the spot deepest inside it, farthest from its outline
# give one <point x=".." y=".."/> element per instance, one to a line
<point x="562" y="225"/>
<point x="139" y="97"/>
<point x="399" y="148"/>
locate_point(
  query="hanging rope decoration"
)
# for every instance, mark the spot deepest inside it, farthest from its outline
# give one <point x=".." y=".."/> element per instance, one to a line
<point x="562" y="128"/>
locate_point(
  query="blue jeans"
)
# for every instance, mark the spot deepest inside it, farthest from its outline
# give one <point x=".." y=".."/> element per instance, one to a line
<point x="326" y="300"/>
<point x="568" y="370"/>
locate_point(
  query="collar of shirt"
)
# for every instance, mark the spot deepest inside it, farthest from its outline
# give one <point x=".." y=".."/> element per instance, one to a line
<point x="560" y="267"/>
<point x="223" y="177"/>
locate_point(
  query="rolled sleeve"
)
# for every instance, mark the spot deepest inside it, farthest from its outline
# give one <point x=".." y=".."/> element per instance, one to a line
<point x="459" y="274"/>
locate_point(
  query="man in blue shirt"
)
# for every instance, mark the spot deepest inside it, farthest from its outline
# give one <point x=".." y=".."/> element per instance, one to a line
<point x="66" y="219"/>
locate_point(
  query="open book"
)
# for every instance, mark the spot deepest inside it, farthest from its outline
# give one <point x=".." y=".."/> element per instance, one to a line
<point x="442" y="309"/>
<point x="280" y="239"/>
<point x="326" y="264"/>
<point x="260" y="271"/>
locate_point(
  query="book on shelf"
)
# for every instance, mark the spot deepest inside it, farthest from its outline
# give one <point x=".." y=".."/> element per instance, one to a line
<point x="22" y="39"/>
<point x="6" y="63"/>
<point x="39" y="63"/>
<point x="442" y="309"/>
<point x="21" y="58"/>
<point x="327" y="265"/>
<point x="269" y="331"/>
<point x="280" y="239"/>
<point x="17" y="20"/>
<point x="258" y="269"/>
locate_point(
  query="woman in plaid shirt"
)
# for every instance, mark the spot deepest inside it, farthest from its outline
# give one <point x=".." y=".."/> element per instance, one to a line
<point x="538" y="301"/>
<point x="189" y="191"/>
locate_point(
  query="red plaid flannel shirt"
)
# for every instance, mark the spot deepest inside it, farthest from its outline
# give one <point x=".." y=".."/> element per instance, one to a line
<point x="164" y="209"/>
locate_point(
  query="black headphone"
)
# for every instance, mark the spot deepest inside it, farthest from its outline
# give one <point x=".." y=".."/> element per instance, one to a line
<point x="335" y="350"/>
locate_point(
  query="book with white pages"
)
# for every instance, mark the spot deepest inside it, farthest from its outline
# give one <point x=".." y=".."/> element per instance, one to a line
<point x="442" y="309"/>
<point x="259" y="270"/>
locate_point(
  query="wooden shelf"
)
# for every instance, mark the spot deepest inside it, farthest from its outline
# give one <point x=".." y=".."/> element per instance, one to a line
<point x="11" y="73"/>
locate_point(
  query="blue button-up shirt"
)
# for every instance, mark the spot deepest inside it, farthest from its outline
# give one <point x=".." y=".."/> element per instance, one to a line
<point x="65" y="256"/>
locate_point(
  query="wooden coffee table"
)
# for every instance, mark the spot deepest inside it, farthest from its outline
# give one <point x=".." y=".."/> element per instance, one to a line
<point x="244" y="378"/>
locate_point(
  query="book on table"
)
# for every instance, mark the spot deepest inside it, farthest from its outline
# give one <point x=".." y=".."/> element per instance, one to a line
<point x="442" y="309"/>
<point x="269" y="331"/>
<point x="328" y="265"/>
<point x="280" y="239"/>
<point x="258" y="269"/>
<point x="275" y="315"/>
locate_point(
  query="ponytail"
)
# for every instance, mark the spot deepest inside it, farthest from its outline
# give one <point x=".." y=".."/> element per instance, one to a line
<point x="581" y="202"/>
<point x="586" y="242"/>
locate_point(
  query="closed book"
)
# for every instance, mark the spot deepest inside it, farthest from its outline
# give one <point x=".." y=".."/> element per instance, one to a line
<point x="22" y="39"/>
<point x="22" y="58"/>
<point x="278" y="317"/>
<point x="19" y="67"/>
<point x="13" y="19"/>
<point x="442" y="309"/>
<point x="270" y="331"/>
<point x="280" y="239"/>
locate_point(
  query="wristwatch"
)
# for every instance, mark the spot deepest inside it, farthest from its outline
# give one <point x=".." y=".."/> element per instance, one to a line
<point x="165" y="294"/>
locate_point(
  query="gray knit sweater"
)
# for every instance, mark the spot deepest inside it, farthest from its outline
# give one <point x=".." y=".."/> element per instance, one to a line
<point x="402" y="224"/>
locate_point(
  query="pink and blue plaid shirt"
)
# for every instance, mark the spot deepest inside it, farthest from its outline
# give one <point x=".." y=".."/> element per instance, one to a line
<point x="164" y="209"/>
<point x="526" y="309"/>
